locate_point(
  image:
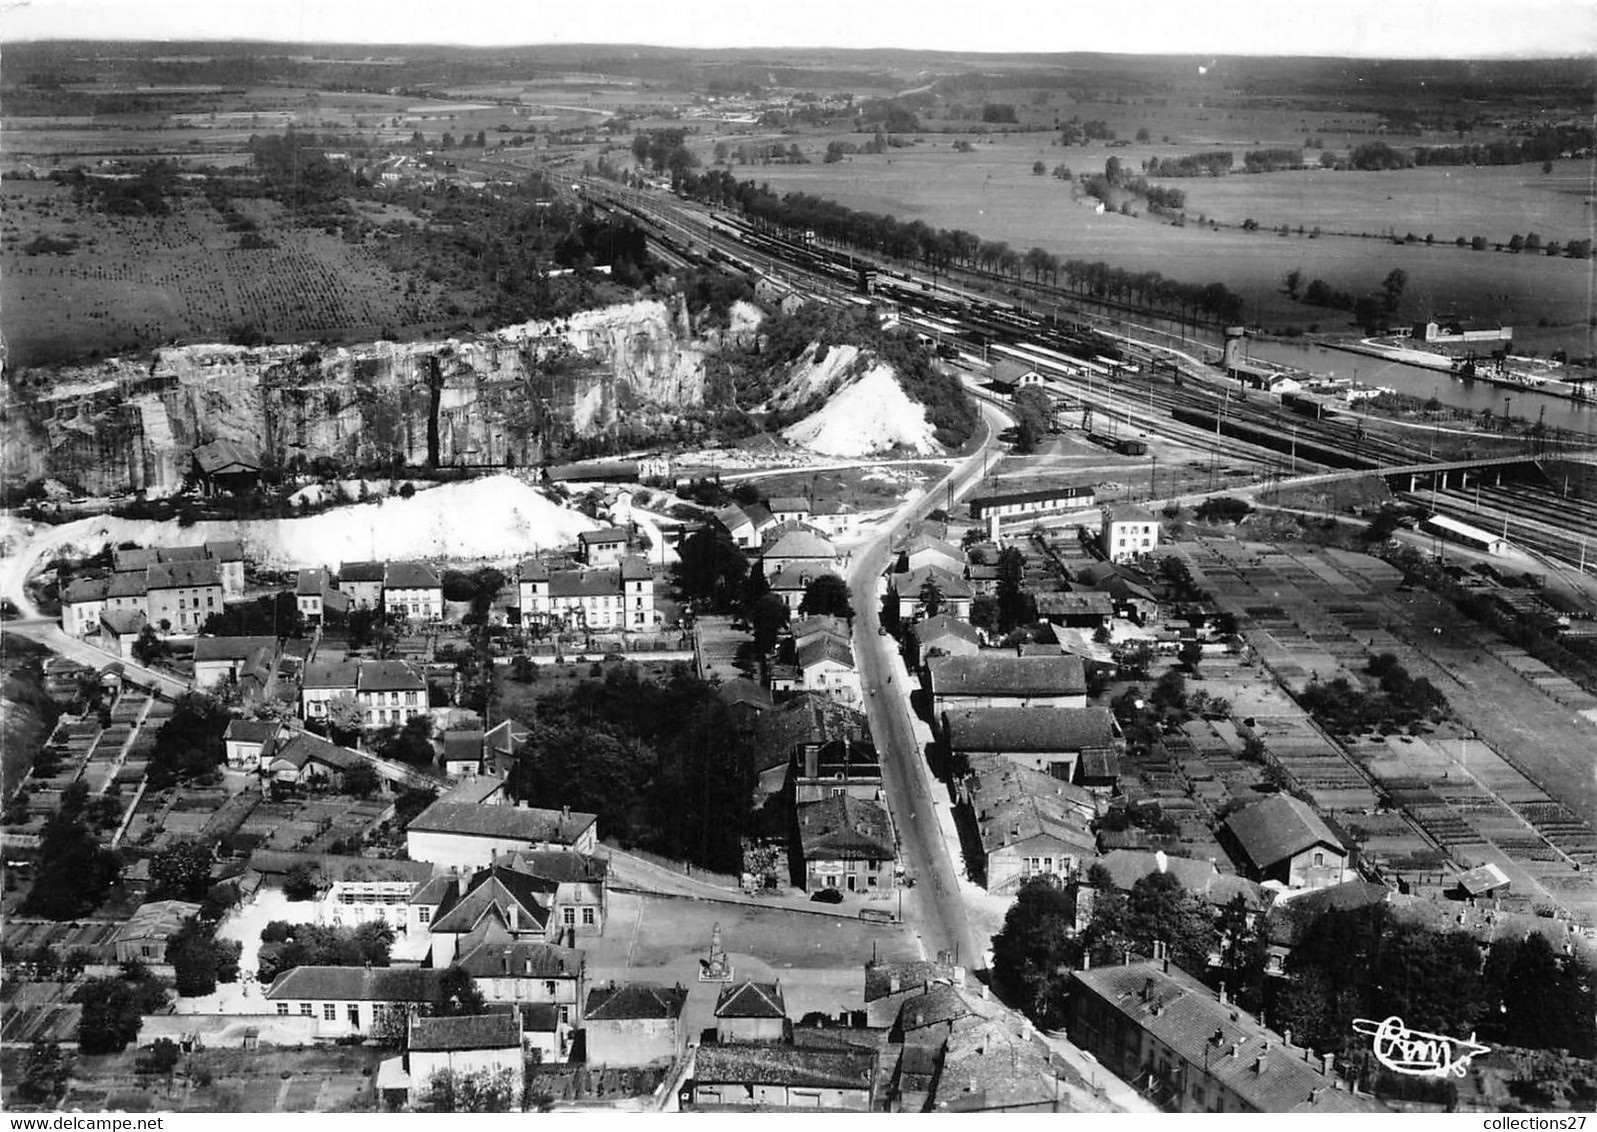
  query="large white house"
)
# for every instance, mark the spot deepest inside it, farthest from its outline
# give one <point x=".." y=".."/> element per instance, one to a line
<point x="617" y="597"/>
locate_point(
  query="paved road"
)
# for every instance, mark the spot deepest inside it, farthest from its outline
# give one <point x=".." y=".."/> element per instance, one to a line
<point x="49" y="634"/>
<point x="943" y="923"/>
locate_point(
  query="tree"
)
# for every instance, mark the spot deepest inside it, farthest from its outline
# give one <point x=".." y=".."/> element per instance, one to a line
<point x="299" y="883"/>
<point x="1191" y="655"/>
<point x="73" y="872"/>
<point x="112" y="1015"/>
<point x="827" y="595"/>
<point x="983" y="613"/>
<point x="1033" y="953"/>
<point x="44" y="1075"/>
<point x="1293" y="281"/>
<point x="768" y="618"/>
<point x="458" y="994"/>
<point x="1038" y="168"/>
<point x="1392" y="288"/>
<point x="482" y="1090"/>
<point x="148" y="647"/>
<point x="1132" y="659"/>
<point x="1243" y="953"/>
<point x="200" y="960"/>
<point x="181" y="871"/>
<point x="1160" y="910"/>
<point x="361" y="780"/>
<point x="711" y="567"/>
<point x="159" y="1060"/>
<point x="931" y="596"/>
<point x="1033" y="410"/>
<point x="411" y="743"/>
<point x="1015" y="605"/>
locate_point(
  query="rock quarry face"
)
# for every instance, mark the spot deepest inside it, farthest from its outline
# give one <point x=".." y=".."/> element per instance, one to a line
<point x="490" y="400"/>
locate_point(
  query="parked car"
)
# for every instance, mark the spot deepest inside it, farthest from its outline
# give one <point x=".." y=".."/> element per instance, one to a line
<point x="827" y="896"/>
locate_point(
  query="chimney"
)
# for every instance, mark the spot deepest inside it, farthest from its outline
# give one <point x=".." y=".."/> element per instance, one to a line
<point x="1260" y="1064"/>
<point x="892" y="983"/>
<point x="1314" y="1094"/>
<point x="1236" y="1048"/>
<point x="1328" y="1064"/>
<point x="515" y="918"/>
<point x="1167" y="964"/>
<point x="1286" y="1036"/>
<point x="1086" y="961"/>
<point x="460" y="884"/>
<point x="528" y="964"/>
<point x="1222" y="994"/>
<point x="1147" y="989"/>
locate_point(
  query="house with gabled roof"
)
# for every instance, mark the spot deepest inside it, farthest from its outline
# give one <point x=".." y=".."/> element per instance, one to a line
<point x="344" y="1001"/>
<point x="634" y="1024"/>
<point x="220" y="661"/>
<point x="911" y="591"/>
<point x="749" y="1011"/>
<point x="1027" y="823"/>
<point x="1128" y="532"/>
<point x="457" y="1044"/>
<point x="390" y="691"/>
<point x="82" y="602"/>
<point x="802" y="548"/>
<point x="300" y="758"/>
<point x="180" y="596"/>
<point x="1003" y="678"/>
<point x="362" y="583"/>
<point x="323" y="681"/>
<point x="603" y="547"/>
<point x="458" y="836"/>
<point x="1174" y="1039"/>
<point x="947" y="635"/>
<point x="927" y="550"/>
<point x="316" y="597"/>
<point x="832" y="517"/>
<point x="507" y="969"/>
<point x="511" y="904"/>
<point x="824" y="664"/>
<point x="413" y="590"/>
<point x="846" y="843"/>
<point x="1283" y="839"/>
<point x="781" y="1077"/>
<point x="120" y="629"/>
<point x="246" y="739"/>
<point x="789" y="508"/>
<point x="144" y="936"/>
<point x="226" y="465"/>
<point x="743" y="529"/>
<point x="1053" y="742"/>
<point x="463" y="753"/>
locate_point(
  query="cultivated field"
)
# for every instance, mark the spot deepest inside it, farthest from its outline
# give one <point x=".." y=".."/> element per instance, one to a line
<point x="993" y="193"/>
<point x="134" y="283"/>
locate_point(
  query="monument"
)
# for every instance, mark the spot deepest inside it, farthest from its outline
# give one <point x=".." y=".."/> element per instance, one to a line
<point x="715" y="969"/>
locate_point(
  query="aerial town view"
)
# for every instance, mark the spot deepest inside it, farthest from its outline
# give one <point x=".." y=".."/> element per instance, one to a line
<point x="675" y="558"/>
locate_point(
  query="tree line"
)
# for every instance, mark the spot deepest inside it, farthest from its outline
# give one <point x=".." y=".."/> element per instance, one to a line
<point x="940" y="249"/>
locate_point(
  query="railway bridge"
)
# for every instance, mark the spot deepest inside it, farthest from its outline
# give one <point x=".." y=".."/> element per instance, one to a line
<point x="1443" y="475"/>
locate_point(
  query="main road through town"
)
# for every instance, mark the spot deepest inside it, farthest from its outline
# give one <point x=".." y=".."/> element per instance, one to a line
<point x="940" y="914"/>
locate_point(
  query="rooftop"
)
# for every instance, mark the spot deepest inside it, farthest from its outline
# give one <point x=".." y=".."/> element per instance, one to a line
<point x="1028" y="731"/>
<point x="843" y="827"/>
<point x="410" y="576"/>
<point x="1243" y="1056"/>
<point x="357" y="984"/>
<point x="604" y="536"/>
<point x="634" y="1001"/>
<point x="1277" y="829"/>
<point x="231" y="648"/>
<point x="749" y="999"/>
<point x="944" y="626"/>
<point x="176" y="575"/>
<point x="792" y="1066"/>
<point x="510" y="822"/>
<point x="785" y="503"/>
<point x="1003" y="673"/>
<point x="801" y="544"/>
<point x="226" y="456"/>
<point x="465" y="1032"/>
<point x="361" y="571"/>
<point x="389" y="676"/>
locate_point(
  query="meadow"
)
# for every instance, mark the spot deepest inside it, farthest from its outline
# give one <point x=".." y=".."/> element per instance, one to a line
<point x="993" y="193"/>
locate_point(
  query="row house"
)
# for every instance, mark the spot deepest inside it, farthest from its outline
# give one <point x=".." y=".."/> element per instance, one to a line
<point x="246" y="661"/>
<point x="929" y="591"/>
<point x="226" y="554"/>
<point x="846" y="843"/>
<point x="362" y="583"/>
<point x="1027" y="823"/>
<point x="604" y="547"/>
<point x="618" y="597"/>
<point x="316" y="596"/>
<point x="1054" y="742"/>
<point x="746" y="524"/>
<point x="345" y="1002"/>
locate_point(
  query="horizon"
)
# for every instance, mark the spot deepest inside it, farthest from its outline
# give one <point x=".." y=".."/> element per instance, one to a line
<point x="1375" y="30"/>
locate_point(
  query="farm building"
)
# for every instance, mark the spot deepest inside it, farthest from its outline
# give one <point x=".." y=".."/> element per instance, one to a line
<point x="226" y="465"/>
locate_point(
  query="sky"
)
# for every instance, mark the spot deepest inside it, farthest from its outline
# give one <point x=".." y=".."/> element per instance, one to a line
<point x="1370" y="28"/>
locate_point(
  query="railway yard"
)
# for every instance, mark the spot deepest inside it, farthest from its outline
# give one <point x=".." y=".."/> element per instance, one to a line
<point x="1506" y="779"/>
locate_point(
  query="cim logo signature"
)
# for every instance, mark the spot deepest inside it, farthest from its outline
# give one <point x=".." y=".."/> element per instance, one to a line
<point x="1414" y="1053"/>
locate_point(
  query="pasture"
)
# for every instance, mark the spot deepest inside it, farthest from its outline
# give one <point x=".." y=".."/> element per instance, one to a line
<point x="137" y="282"/>
<point x="993" y="193"/>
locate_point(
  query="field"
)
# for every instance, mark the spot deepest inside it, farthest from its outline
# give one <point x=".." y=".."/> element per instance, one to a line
<point x="993" y="193"/>
<point x="135" y="283"/>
